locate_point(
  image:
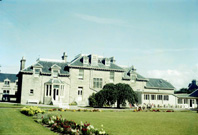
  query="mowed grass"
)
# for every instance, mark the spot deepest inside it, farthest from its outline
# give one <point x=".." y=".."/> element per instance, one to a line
<point x="10" y="105"/>
<point x="139" y="123"/>
<point x="115" y="123"/>
<point x="12" y="122"/>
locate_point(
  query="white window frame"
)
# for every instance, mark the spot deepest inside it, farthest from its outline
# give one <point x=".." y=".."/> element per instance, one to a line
<point x="55" y="71"/>
<point x="159" y="97"/>
<point x="80" y="91"/>
<point x="6" y="91"/>
<point x="166" y="97"/>
<point x="31" y="92"/>
<point x="37" y="74"/>
<point x="112" y="76"/>
<point x="185" y="101"/>
<point x="153" y="97"/>
<point x="97" y="83"/>
<point x="81" y="74"/>
<point x="146" y="97"/>
<point x="7" y="82"/>
<point x="179" y="101"/>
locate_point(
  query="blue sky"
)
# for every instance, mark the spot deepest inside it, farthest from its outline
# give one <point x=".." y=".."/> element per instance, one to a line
<point x="158" y="37"/>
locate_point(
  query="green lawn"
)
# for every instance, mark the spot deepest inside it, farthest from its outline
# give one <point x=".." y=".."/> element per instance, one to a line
<point x="10" y="105"/>
<point x="115" y="123"/>
<point x="139" y="123"/>
<point x="12" y="122"/>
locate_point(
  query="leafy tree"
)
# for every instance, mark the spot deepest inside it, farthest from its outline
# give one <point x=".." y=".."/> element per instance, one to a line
<point x="125" y="92"/>
<point x="110" y="94"/>
<point x="113" y="92"/>
<point x="100" y="98"/>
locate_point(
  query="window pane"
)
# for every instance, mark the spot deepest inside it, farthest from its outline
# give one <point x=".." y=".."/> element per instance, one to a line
<point x="37" y="71"/>
<point x="166" y="97"/>
<point x="159" y="97"/>
<point x="179" y="101"/>
<point x="31" y="91"/>
<point x="97" y="83"/>
<point x="7" y="82"/>
<point x="112" y="76"/>
<point x="47" y="90"/>
<point x="81" y="74"/>
<point x="55" y="73"/>
<point x="185" y="101"/>
<point x="153" y="97"/>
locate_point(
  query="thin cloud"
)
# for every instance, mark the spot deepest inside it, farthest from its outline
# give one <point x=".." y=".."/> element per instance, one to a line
<point x="178" y="77"/>
<point x="154" y="51"/>
<point x="100" y="20"/>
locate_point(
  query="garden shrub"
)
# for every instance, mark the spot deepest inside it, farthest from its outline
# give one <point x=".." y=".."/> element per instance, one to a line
<point x="73" y="103"/>
<point x="31" y="110"/>
<point x="92" y="100"/>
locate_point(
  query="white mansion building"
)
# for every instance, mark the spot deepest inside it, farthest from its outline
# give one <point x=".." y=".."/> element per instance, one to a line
<point x="61" y="82"/>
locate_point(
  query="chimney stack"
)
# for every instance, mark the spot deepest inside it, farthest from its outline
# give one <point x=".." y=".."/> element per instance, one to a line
<point x="22" y="63"/>
<point x="64" y="57"/>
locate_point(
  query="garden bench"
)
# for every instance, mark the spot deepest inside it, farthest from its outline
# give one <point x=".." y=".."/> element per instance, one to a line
<point x="32" y="101"/>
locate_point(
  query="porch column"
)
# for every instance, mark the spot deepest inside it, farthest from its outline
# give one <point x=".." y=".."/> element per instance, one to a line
<point x="142" y="98"/>
<point x="52" y="92"/>
<point x="149" y="98"/>
<point x="59" y="91"/>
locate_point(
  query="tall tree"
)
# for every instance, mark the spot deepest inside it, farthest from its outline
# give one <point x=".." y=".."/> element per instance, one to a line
<point x="125" y="93"/>
<point x="110" y="94"/>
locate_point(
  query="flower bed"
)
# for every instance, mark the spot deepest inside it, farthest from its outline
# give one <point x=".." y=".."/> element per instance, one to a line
<point x="31" y="110"/>
<point x="61" y="125"/>
<point x="152" y="110"/>
<point x="74" y="110"/>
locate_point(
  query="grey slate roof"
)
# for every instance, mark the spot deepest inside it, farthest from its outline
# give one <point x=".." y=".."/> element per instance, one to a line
<point x="47" y="67"/>
<point x="127" y="77"/>
<point x="182" y="95"/>
<point x="11" y="77"/>
<point x="158" y="83"/>
<point x="78" y="62"/>
<point x="194" y="94"/>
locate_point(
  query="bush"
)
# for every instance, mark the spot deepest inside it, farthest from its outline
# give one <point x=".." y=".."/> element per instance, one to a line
<point x="31" y="110"/>
<point x="73" y="103"/>
<point x="92" y="100"/>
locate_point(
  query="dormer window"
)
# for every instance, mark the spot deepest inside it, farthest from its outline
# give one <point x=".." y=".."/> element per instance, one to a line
<point x="85" y="60"/>
<point x="37" y="72"/>
<point x="107" y="62"/>
<point x="94" y="60"/>
<point x="55" y="73"/>
<point x="55" y="70"/>
<point x="37" y="69"/>
<point x="7" y="83"/>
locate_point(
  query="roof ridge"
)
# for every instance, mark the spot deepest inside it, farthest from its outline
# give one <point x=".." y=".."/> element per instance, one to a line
<point x="74" y="60"/>
<point x="51" y="60"/>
